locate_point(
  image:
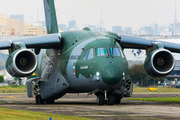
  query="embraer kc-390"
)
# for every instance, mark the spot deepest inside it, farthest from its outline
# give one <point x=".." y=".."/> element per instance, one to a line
<point x="82" y="61"/>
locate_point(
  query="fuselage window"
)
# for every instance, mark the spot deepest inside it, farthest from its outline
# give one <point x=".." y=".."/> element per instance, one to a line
<point x="101" y="52"/>
<point x="114" y="51"/>
<point x="91" y="54"/>
<point x="85" y="55"/>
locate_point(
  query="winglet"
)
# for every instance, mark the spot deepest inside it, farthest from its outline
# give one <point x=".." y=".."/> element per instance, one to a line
<point x="50" y="16"/>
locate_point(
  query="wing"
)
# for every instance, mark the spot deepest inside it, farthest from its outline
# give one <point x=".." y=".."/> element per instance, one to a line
<point x="143" y="43"/>
<point x="134" y="42"/>
<point x="45" y="41"/>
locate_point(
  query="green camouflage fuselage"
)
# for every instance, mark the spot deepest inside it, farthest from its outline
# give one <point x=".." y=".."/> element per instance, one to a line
<point x="100" y="72"/>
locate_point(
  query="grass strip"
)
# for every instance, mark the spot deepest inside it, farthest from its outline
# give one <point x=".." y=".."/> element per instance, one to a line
<point x="21" y="89"/>
<point x="13" y="86"/>
<point x="11" y="114"/>
<point x="159" y="90"/>
<point x="13" y="89"/>
<point x="158" y="99"/>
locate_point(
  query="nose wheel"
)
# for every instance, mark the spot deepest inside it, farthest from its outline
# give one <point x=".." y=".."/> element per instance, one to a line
<point x="110" y="97"/>
<point x="100" y="98"/>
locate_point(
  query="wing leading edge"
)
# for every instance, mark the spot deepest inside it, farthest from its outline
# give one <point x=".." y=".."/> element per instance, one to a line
<point x="143" y="43"/>
<point x="45" y="41"/>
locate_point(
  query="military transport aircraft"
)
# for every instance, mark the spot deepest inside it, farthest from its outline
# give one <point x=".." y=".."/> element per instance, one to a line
<point x="82" y="61"/>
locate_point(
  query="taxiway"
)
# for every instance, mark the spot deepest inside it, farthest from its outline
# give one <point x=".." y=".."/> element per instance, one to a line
<point x="85" y="106"/>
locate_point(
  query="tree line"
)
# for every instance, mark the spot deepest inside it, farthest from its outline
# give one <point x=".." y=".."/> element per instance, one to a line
<point x="141" y="78"/>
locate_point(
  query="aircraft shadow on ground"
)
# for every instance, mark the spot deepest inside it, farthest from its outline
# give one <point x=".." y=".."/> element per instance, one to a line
<point x="94" y="103"/>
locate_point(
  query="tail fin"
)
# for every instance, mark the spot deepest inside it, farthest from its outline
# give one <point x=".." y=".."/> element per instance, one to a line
<point x="50" y="16"/>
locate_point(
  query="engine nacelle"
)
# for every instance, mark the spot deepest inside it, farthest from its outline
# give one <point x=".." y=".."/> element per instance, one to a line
<point x="21" y="63"/>
<point x="159" y="63"/>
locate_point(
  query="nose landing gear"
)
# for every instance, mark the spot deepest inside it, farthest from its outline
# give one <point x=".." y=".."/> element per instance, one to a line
<point x="110" y="98"/>
<point x="100" y="98"/>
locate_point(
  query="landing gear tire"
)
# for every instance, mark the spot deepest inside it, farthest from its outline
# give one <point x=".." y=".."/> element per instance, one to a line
<point x="49" y="101"/>
<point x="110" y="97"/>
<point x="100" y="98"/>
<point x="117" y="99"/>
<point x="39" y="100"/>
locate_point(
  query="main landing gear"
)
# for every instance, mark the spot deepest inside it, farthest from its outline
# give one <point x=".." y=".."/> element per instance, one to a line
<point x="39" y="100"/>
<point x="110" y="98"/>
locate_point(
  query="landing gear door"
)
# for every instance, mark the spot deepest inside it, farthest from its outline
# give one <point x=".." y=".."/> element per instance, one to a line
<point x="52" y="82"/>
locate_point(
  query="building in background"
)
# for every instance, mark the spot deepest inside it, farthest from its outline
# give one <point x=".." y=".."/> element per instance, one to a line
<point x="62" y="27"/>
<point x="156" y="30"/>
<point x="43" y="24"/>
<point x="147" y="30"/>
<point x="166" y="32"/>
<point x="127" y="30"/>
<point x="117" y="29"/>
<point x="35" y="29"/>
<point x="18" y="27"/>
<point x="97" y="27"/>
<point x="72" y="24"/>
<point x="14" y="25"/>
<point x="18" y="16"/>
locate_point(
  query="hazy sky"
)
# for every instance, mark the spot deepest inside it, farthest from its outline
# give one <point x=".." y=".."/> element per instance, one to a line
<point x="126" y="13"/>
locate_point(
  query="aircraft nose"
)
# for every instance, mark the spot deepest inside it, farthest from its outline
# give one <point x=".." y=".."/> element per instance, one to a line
<point x="111" y="74"/>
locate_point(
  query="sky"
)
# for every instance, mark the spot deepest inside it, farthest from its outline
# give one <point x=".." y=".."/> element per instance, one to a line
<point x="125" y="13"/>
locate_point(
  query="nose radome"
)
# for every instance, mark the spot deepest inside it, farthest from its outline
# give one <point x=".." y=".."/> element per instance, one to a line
<point x="111" y="74"/>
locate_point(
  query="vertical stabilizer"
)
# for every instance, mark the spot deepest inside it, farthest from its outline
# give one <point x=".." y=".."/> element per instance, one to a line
<point x="50" y="16"/>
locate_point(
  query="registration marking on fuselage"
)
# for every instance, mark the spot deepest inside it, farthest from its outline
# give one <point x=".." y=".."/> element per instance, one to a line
<point x="84" y="67"/>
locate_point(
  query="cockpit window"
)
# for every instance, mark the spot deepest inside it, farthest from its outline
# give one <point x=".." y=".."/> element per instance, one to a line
<point x="101" y="52"/>
<point x="114" y="51"/>
<point x="91" y="54"/>
<point x="85" y="55"/>
<point x="123" y="56"/>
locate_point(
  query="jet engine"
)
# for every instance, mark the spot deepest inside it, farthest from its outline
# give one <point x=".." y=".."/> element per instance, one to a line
<point x="159" y="63"/>
<point x="21" y="63"/>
